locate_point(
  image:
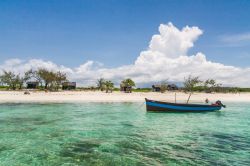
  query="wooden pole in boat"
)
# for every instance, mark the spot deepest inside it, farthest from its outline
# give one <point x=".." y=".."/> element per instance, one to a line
<point x="189" y="97"/>
<point x="175" y="97"/>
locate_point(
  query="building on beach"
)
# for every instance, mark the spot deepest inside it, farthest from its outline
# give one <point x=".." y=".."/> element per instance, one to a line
<point x="32" y="85"/>
<point x="172" y="87"/>
<point x="68" y="85"/>
<point x="126" y="89"/>
<point x="157" y="87"/>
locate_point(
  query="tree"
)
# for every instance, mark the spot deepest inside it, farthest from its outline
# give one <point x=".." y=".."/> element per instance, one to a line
<point x="52" y="80"/>
<point x="14" y="81"/>
<point x="21" y="80"/>
<point x="109" y="85"/>
<point x="164" y="86"/>
<point x="9" y="78"/>
<point x="128" y="83"/>
<point x="209" y="85"/>
<point x="100" y="84"/>
<point x="190" y="83"/>
<point x="59" y="79"/>
<point x="35" y="74"/>
<point x="46" y="76"/>
<point x="217" y="88"/>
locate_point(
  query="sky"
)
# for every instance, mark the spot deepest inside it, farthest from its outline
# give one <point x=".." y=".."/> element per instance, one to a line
<point x="94" y="38"/>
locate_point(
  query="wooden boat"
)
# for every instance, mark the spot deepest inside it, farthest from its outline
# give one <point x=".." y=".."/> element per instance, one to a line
<point x="160" y="106"/>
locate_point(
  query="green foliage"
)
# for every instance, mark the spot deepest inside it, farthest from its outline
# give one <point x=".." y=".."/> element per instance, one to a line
<point x="164" y="86"/>
<point x="100" y="84"/>
<point x="106" y="85"/>
<point x="128" y="82"/>
<point x="190" y="83"/>
<point x="199" y="89"/>
<point x="116" y="89"/>
<point x="12" y="80"/>
<point x="127" y="85"/>
<point x="210" y="85"/>
<point x="90" y="88"/>
<point x="52" y="80"/>
<point x="48" y="77"/>
<point x="59" y="79"/>
<point x="109" y="85"/>
<point x="142" y="90"/>
<point x="243" y="89"/>
<point x="36" y="76"/>
<point x="3" y="87"/>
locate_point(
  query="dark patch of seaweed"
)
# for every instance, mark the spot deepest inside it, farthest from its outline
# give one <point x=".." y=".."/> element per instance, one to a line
<point x="80" y="147"/>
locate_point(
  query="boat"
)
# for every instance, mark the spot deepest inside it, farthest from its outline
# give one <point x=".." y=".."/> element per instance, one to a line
<point x="161" y="106"/>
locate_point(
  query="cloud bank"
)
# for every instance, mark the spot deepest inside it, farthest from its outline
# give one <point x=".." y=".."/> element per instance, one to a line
<point x="165" y="58"/>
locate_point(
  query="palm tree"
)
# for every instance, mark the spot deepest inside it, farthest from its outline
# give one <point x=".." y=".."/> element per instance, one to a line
<point x="100" y="84"/>
<point x="109" y="85"/>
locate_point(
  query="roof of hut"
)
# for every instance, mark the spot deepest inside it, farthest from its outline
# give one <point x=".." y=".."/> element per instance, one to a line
<point x="172" y="85"/>
<point x="156" y="86"/>
<point x="69" y="83"/>
<point x="32" y="82"/>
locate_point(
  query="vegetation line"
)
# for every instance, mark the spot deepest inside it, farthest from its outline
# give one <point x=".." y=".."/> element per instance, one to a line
<point x="43" y="79"/>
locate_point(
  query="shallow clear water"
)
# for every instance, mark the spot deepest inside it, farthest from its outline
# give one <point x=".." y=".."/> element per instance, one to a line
<point x="122" y="134"/>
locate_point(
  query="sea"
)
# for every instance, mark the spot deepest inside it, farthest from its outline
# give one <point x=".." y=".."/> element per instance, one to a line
<point x="120" y="134"/>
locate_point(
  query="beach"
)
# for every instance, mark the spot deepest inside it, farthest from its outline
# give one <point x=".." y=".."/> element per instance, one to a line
<point x="98" y="96"/>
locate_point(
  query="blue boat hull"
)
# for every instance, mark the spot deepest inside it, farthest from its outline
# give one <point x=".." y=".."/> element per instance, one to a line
<point x="158" y="106"/>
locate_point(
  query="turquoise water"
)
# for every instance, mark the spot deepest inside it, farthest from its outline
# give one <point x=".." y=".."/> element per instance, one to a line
<point x="122" y="134"/>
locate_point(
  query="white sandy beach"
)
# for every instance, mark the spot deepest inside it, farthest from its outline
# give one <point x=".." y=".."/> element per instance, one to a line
<point x="83" y="96"/>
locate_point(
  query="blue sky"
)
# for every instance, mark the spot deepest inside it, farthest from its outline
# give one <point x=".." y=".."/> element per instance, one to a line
<point x="115" y="32"/>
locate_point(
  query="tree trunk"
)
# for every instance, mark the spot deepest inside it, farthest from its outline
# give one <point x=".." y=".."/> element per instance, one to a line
<point x="46" y="85"/>
<point x="20" y="85"/>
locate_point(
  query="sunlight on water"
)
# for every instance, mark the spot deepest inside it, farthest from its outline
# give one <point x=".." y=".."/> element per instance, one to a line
<point x="122" y="134"/>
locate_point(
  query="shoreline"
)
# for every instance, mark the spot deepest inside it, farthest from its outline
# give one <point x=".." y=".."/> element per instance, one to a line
<point x="97" y="96"/>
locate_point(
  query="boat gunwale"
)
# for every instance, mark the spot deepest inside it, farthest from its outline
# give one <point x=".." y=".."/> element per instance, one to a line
<point x="181" y="104"/>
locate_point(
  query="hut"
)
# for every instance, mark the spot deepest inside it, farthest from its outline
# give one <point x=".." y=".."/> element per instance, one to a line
<point x="124" y="88"/>
<point x="68" y="85"/>
<point x="32" y="85"/>
<point x="172" y="87"/>
<point x="156" y="88"/>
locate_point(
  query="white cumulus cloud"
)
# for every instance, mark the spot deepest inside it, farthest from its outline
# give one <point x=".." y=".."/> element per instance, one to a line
<point x="166" y="58"/>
